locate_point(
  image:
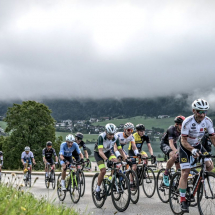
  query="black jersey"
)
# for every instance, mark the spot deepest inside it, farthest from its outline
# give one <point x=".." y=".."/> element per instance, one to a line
<point x="171" y="134"/>
<point x="48" y="153"/>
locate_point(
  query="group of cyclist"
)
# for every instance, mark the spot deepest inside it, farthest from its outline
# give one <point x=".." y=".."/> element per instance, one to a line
<point x="195" y="134"/>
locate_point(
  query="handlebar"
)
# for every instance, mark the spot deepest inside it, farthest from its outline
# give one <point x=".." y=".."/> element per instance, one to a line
<point x="201" y="156"/>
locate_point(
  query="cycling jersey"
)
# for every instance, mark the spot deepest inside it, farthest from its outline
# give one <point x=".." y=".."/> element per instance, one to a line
<point x="139" y="141"/>
<point x="48" y="153"/>
<point x="106" y="144"/>
<point x="123" y="139"/>
<point x="67" y="151"/>
<point x="27" y="156"/>
<point x="195" y="131"/>
<point x="171" y="134"/>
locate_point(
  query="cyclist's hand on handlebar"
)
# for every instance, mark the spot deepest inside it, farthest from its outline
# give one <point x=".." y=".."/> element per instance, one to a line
<point x="109" y="163"/>
<point x="88" y="160"/>
<point x="195" y="153"/>
<point x="120" y="157"/>
<point x="128" y="162"/>
<point x="56" y="162"/>
<point x="139" y="155"/>
<point x="82" y="160"/>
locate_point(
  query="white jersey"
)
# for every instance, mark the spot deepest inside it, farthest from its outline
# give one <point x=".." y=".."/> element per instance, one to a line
<point x="123" y="140"/>
<point x="195" y="131"/>
<point x="25" y="156"/>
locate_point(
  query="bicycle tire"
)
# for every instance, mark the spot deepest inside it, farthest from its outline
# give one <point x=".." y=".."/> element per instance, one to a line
<point x="61" y="194"/>
<point x="97" y="203"/>
<point x="203" y="202"/>
<point x="149" y="179"/>
<point x="121" y="182"/>
<point x="82" y="182"/>
<point x="174" y="195"/>
<point x="163" y="191"/>
<point x="136" y="192"/>
<point x="53" y="179"/>
<point x="75" y="187"/>
<point x="47" y="182"/>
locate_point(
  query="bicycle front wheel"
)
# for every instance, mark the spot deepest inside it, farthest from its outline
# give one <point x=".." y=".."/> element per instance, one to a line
<point x="61" y="194"/>
<point x="134" y="186"/>
<point x="47" y="182"/>
<point x="82" y="182"/>
<point x="174" y="195"/>
<point x="29" y="179"/>
<point x="206" y="200"/>
<point x="162" y="190"/>
<point x="53" y="179"/>
<point x="120" y="192"/>
<point x="75" y="187"/>
<point x="149" y="182"/>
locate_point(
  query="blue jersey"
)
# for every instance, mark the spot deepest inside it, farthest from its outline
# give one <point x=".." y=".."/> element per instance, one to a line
<point x="66" y="151"/>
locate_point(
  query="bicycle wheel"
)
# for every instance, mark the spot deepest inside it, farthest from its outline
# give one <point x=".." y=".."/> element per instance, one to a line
<point x="61" y="194"/>
<point x="53" y="179"/>
<point x="120" y="192"/>
<point x="149" y="182"/>
<point x="206" y="201"/>
<point x="134" y="186"/>
<point x="162" y="190"/>
<point x="82" y="182"/>
<point x="26" y="179"/>
<point x="174" y="195"/>
<point x="75" y="187"/>
<point x="103" y="194"/>
<point x="29" y="179"/>
<point x="47" y="182"/>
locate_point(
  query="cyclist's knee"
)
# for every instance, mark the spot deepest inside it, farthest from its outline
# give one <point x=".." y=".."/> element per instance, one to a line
<point x="185" y="173"/>
<point x="209" y="165"/>
<point x="103" y="171"/>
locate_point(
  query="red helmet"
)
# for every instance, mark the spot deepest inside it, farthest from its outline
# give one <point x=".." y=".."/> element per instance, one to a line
<point x="179" y="119"/>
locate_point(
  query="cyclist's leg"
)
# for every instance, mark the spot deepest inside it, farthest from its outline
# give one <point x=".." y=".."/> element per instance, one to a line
<point x="63" y="167"/>
<point x="185" y="170"/>
<point x="144" y="155"/>
<point x="208" y="161"/>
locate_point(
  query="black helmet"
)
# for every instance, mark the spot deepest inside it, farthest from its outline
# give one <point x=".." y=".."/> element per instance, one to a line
<point x="49" y="143"/>
<point x="140" y="127"/>
<point x="79" y="135"/>
<point x="1" y="153"/>
<point x="179" y="119"/>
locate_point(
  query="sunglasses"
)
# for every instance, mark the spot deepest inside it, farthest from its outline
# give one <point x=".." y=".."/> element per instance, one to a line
<point x="78" y="138"/>
<point x="110" y="133"/>
<point x="201" y="111"/>
<point x="130" y="130"/>
<point x="69" y="142"/>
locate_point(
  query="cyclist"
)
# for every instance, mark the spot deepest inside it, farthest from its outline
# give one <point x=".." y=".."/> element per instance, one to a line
<point x="1" y="160"/>
<point x="193" y="129"/>
<point x="168" y="146"/>
<point x="79" y="140"/>
<point x="47" y="156"/>
<point x="139" y="138"/>
<point x="103" y="152"/>
<point x="27" y="155"/>
<point x="66" y="149"/>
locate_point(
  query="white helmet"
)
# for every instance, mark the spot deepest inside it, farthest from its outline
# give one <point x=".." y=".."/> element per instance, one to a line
<point x="129" y="125"/>
<point x="200" y="104"/>
<point x="70" y="138"/>
<point x="110" y="128"/>
<point x="27" y="149"/>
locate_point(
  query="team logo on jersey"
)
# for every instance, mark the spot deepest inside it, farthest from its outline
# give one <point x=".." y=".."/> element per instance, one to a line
<point x="193" y="124"/>
<point x="122" y="139"/>
<point x="184" y="160"/>
<point x="201" y="129"/>
<point x="203" y="124"/>
<point x="193" y="127"/>
<point x="205" y="153"/>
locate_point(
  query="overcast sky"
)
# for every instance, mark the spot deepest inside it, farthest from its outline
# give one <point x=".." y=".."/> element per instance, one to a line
<point x="106" y="49"/>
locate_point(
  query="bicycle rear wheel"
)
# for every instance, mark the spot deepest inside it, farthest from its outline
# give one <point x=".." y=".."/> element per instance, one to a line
<point x="97" y="203"/>
<point x="206" y="200"/>
<point x="120" y="192"/>
<point x="174" y="195"/>
<point x="162" y="190"/>
<point x="75" y="187"/>
<point x="149" y="182"/>
<point x="134" y="186"/>
<point x="29" y="179"/>
<point x="61" y="194"/>
<point x="82" y="182"/>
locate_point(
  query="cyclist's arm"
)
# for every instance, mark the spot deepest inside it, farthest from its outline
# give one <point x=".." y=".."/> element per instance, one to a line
<point x="101" y="153"/>
<point x="150" y="148"/>
<point x="81" y="155"/>
<point x="117" y="147"/>
<point x="56" y="158"/>
<point x="43" y="154"/>
<point x="85" y="151"/>
<point x="185" y="144"/>
<point x="172" y="146"/>
<point x="212" y="137"/>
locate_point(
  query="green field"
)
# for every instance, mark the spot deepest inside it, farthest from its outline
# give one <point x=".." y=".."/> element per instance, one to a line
<point x="148" y="122"/>
<point x="89" y="137"/>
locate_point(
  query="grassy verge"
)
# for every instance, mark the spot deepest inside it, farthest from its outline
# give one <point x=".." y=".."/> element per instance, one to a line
<point x="16" y="202"/>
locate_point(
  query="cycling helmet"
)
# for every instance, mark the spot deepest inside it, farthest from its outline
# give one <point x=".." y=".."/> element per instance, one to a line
<point x="1" y="153"/>
<point x="128" y="125"/>
<point x="110" y="128"/>
<point x="140" y="127"/>
<point x="49" y="143"/>
<point x="200" y="104"/>
<point x="179" y="119"/>
<point x="79" y="135"/>
<point x="70" y="138"/>
<point x="27" y="148"/>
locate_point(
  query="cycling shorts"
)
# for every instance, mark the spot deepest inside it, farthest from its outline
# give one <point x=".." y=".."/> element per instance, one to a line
<point x="69" y="159"/>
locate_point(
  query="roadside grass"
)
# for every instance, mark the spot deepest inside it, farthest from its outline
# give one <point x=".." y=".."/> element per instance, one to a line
<point x="15" y="201"/>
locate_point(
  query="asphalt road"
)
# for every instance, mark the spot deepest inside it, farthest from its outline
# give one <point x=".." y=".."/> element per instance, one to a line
<point x="149" y="206"/>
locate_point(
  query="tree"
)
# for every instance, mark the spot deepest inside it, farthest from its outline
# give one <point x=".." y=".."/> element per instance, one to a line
<point x="29" y="124"/>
